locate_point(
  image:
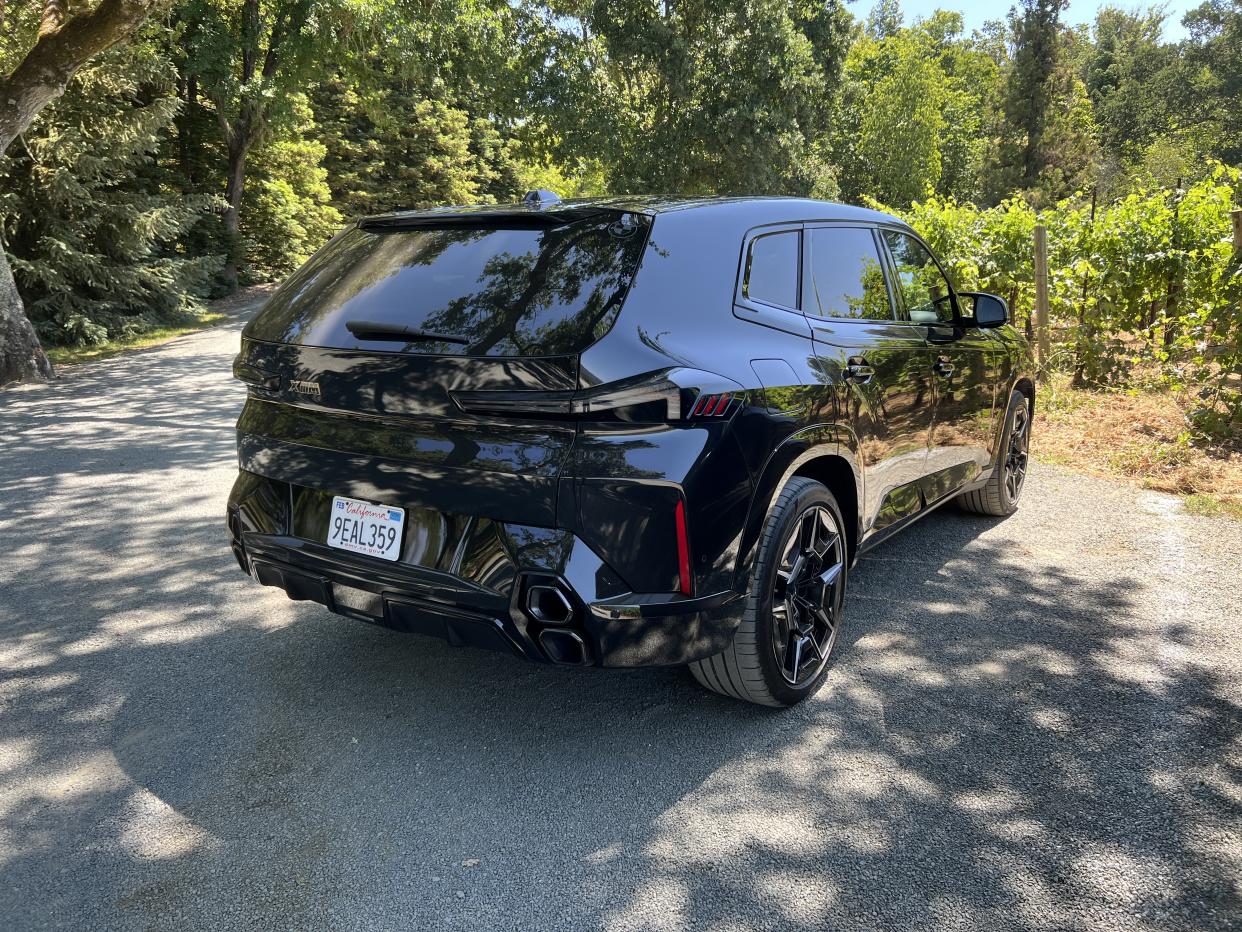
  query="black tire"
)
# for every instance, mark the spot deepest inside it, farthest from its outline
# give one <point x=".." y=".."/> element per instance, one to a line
<point x="999" y="497"/>
<point x="755" y="668"/>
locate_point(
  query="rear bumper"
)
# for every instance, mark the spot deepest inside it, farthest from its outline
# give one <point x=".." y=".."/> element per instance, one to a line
<point x="538" y="593"/>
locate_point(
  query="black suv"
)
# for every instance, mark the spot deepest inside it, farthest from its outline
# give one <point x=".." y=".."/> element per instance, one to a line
<point x="619" y="432"/>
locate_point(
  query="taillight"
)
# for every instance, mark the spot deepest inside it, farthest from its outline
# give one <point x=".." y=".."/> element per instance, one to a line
<point x="643" y="401"/>
<point x="685" y="582"/>
<point x="711" y="405"/>
<point x="667" y="395"/>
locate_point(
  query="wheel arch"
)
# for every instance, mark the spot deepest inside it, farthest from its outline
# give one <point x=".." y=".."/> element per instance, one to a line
<point x="825" y="453"/>
<point x="1026" y="385"/>
<point x="837" y="474"/>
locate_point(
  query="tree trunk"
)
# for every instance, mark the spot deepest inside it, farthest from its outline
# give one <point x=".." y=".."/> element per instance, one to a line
<point x="21" y="356"/>
<point x="233" y="190"/>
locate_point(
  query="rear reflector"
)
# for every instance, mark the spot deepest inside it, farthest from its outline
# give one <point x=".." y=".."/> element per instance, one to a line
<point x="685" y="583"/>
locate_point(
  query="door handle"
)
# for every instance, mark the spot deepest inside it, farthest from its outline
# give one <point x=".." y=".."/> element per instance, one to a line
<point x="857" y="370"/>
<point x="943" y="366"/>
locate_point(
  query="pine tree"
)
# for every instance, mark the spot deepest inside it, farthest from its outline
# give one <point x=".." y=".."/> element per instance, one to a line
<point x="1028" y="94"/>
<point x="92" y="231"/>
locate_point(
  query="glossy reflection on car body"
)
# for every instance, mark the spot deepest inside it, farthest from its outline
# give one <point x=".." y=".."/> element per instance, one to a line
<point x="588" y="411"/>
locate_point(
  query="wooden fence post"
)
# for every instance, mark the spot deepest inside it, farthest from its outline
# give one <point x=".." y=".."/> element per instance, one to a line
<point x="1041" y="296"/>
<point x="1236" y="216"/>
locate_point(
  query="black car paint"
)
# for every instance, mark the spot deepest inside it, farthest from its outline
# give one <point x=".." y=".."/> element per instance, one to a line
<point x="498" y="506"/>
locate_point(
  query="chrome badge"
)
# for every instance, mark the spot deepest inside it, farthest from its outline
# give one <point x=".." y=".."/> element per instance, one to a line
<point x="304" y="387"/>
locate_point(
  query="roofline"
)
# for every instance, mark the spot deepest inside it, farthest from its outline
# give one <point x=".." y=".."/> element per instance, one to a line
<point x="648" y="205"/>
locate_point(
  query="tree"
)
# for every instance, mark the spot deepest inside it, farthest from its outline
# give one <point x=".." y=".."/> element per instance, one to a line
<point x="50" y="50"/>
<point x="90" y="219"/>
<point x="899" y="138"/>
<point x="1211" y="93"/>
<point x="1028" y="93"/>
<point x="698" y="97"/>
<point x="247" y="57"/>
<point x="1124" y="64"/>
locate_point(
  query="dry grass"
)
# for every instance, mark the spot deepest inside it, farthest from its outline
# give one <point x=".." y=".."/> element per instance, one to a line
<point x="1140" y="436"/>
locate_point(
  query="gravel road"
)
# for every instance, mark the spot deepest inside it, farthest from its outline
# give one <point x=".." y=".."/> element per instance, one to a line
<point x="1032" y="723"/>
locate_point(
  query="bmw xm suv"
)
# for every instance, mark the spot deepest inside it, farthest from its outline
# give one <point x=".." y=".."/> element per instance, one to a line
<point x="619" y="432"/>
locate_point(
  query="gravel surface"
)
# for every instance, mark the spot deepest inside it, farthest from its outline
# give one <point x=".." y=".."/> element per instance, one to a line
<point x="1032" y="723"/>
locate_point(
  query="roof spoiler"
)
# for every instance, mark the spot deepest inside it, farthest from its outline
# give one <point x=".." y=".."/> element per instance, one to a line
<point x="536" y="215"/>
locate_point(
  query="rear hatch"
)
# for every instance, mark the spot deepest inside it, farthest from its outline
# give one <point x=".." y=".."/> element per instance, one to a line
<point x="358" y="363"/>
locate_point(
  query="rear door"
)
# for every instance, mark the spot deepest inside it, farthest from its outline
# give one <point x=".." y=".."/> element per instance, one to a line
<point x="358" y="363"/>
<point x="882" y="365"/>
<point x="962" y="362"/>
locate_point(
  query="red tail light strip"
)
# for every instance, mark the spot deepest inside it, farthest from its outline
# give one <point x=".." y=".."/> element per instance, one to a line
<point x="685" y="583"/>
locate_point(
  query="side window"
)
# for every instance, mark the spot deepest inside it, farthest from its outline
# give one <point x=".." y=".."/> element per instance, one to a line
<point x="772" y="269"/>
<point x="845" y="278"/>
<point x="924" y="289"/>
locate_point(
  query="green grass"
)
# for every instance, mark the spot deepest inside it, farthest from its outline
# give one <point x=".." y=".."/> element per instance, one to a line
<point x="71" y="355"/>
<point x="1209" y="506"/>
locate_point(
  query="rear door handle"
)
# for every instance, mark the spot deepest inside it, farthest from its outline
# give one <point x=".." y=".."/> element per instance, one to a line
<point x="858" y="371"/>
<point x="943" y="366"/>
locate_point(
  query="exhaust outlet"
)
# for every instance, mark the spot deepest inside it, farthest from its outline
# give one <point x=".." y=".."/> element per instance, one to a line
<point x="563" y="647"/>
<point x="549" y="605"/>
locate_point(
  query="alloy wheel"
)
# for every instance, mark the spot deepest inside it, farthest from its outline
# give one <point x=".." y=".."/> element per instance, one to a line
<point x="807" y="595"/>
<point x="1016" y="455"/>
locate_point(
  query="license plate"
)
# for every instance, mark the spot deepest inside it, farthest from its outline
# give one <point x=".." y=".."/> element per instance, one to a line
<point x="366" y="528"/>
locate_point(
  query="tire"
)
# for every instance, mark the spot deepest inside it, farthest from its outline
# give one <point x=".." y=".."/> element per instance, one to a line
<point x="768" y="647"/>
<point x="999" y="497"/>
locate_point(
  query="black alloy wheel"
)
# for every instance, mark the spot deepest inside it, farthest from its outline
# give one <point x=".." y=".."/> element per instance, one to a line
<point x="1016" y="455"/>
<point x="807" y="596"/>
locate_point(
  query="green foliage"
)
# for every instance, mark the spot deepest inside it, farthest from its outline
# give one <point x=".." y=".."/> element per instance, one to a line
<point x="706" y="96"/>
<point x="92" y="227"/>
<point x="397" y="150"/>
<point x="901" y="129"/>
<point x="287" y="206"/>
<point x="1150" y="284"/>
<point x="917" y="112"/>
<point x="239" y="134"/>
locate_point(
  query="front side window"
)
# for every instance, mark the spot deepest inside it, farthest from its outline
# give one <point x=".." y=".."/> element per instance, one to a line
<point x="924" y="289"/>
<point x="772" y="269"/>
<point x="845" y="276"/>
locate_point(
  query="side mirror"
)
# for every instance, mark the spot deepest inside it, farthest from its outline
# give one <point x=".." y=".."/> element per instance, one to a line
<point x="990" y="311"/>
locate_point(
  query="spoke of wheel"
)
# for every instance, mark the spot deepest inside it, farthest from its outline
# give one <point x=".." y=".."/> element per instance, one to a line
<point x="806" y="532"/>
<point x="815" y="648"/>
<point x="825" y="616"/>
<point x="829" y="576"/>
<point x="799" y="641"/>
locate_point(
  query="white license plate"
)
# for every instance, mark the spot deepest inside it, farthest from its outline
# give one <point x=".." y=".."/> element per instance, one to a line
<point x="366" y="528"/>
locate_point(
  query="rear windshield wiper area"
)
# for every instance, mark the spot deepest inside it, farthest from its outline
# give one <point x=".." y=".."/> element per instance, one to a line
<point x="396" y="333"/>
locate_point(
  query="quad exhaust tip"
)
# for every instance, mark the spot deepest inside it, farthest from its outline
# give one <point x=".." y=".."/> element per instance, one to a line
<point x="549" y="605"/>
<point x="563" y="646"/>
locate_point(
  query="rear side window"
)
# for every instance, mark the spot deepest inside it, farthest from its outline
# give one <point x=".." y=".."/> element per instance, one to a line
<point x="846" y="278"/>
<point x="496" y="290"/>
<point x="772" y="269"/>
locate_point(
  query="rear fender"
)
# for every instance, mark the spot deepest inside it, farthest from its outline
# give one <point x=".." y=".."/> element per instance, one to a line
<point x="795" y="452"/>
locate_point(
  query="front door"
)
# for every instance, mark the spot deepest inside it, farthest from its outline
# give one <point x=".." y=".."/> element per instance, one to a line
<point x="881" y="365"/>
<point x="963" y="367"/>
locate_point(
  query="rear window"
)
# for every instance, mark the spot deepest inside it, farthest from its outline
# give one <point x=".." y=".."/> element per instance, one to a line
<point x="497" y="290"/>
